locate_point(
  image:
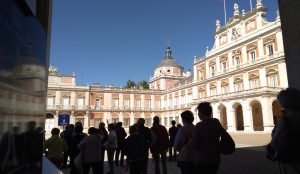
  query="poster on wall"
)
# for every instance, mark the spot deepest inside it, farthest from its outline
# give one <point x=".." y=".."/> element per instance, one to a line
<point x="63" y="120"/>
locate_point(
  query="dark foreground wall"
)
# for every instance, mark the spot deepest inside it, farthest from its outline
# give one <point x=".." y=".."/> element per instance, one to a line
<point x="290" y="23"/>
<point x="23" y="79"/>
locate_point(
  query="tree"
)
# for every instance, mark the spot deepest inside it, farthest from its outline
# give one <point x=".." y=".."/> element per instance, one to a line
<point x="143" y="84"/>
<point x="130" y="84"/>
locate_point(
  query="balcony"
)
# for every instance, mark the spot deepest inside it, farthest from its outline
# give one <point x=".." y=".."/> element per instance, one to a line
<point x="242" y="94"/>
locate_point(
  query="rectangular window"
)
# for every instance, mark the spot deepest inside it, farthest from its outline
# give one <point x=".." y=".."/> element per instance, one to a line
<point x="148" y="104"/>
<point x="176" y="101"/>
<point x="182" y="99"/>
<point x="237" y="62"/>
<point x="166" y="121"/>
<point x="201" y="94"/>
<point x="115" y="103"/>
<point x="97" y="103"/>
<point x="157" y="104"/>
<point x="80" y="103"/>
<point x="225" y="89"/>
<point x="137" y="103"/>
<point x="270" y="49"/>
<point x="66" y="103"/>
<point x="213" y="91"/>
<point x="238" y="87"/>
<point x="224" y="67"/>
<point x="252" y="56"/>
<point x="50" y="101"/>
<point x="254" y="83"/>
<point x="212" y="70"/>
<point x="201" y="75"/>
<point x="272" y="80"/>
<point x="126" y="103"/>
<point x="190" y="98"/>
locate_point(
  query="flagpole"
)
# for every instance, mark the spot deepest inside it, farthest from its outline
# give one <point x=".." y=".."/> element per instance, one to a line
<point x="251" y="5"/>
<point x="225" y="11"/>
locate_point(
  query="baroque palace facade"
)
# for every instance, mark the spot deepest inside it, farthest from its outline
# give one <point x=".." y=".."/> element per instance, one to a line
<point x="240" y="75"/>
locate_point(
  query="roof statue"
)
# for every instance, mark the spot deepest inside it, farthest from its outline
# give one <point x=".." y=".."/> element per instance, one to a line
<point x="207" y="51"/>
<point x="236" y="9"/>
<point x="218" y="25"/>
<point x="278" y="15"/>
<point x="243" y="12"/>
<point x="259" y="4"/>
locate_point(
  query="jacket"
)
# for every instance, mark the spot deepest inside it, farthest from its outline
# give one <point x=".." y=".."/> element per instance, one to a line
<point x="181" y="143"/>
<point x="162" y="141"/>
<point x="90" y="147"/>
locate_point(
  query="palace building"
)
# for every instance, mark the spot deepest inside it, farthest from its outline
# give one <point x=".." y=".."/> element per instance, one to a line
<point x="240" y="75"/>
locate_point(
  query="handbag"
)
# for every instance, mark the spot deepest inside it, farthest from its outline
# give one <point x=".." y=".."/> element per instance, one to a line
<point x="226" y="144"/>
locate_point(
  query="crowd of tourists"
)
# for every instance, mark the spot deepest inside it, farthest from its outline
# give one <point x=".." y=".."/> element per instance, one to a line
<point x="195" y="148"/>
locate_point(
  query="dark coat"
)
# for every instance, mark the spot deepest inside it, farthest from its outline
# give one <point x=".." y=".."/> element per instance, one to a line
<point x="162" y="142"/>
<point x="134" y="147"/>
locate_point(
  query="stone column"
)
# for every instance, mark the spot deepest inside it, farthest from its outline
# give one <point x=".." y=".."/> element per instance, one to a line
<point x="231" y="120"/>
<point x="218" y="67"/>
<point x="244" y="55"/>
<point x="131" y="118"/>
<point x="216" y="111"/>
<point x="86" y="119"/>
<point x="231" y="84"/>
<point x="246" y="81"/>
<point x="56" y="119"/>
<point x="247" y="116"/>
<point x="262" y="77"/>
<point x="260" y="48"/>
<point x="72" y="118"/>
<point x="283" y="80"/>
<point x="267" y="114"/>
<point x="57" y="98"/>
<point x="230" y="65"/>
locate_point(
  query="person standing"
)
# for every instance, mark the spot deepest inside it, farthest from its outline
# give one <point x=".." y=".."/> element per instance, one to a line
<point x="160" y="148"/>
<point x="149" y="141"/>
<point x="285" y="140"/>
<point x="134" y="149"/>
<point x="90" y="148"/>
<point x="112" y="145"/>
<point x="181" y="144"/>
<point x="54" y="148"/>
<point x="77" y="136"/>
<point x="172" y="133"/>
<point x="103" y="132"/>
<point x="121" y="135"/>
<point x="205" y="141"/>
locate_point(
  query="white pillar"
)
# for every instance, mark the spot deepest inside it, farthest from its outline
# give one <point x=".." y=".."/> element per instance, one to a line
<point x="86" y="120"/>
<point x="57" y="98"/>
<point x="72" y="118"/>
<point x="283" y="81"/>
<point x="207" y="75"/>
<point x="231" y="84"/>
<point x="216" y="111"/>
<point x="218" y="67"/>
<point x="219" y="91"/>
<point x="73" y="98"/>
<point x="262" y="77"/>
<point x="56" y="119"/>
<point x="267" y="114"/>
<point x="279" y="41"/>
<point x="260" y="48"/>
<point x="121" y="100"/>
<point x="87" y="99"/>
<point x="247" y="116"/>
<point x="230" y="65"/>
<point x="131" y="118"/>
<point x="246" y="81"/>
<point x="231" y="118"/>
<point x="244" y="55"/>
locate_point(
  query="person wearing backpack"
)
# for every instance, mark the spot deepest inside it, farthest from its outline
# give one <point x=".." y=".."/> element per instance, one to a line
<point x="285" y="144"/>
<point x="205" y="142"/>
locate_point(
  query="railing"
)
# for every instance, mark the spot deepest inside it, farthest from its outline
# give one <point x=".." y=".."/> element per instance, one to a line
<point x="243" y="93"/>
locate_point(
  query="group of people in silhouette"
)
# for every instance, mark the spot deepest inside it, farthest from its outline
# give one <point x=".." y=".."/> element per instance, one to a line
<point x="195" y="148"/>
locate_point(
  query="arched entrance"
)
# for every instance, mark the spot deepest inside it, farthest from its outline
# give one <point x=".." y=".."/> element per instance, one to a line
<point x="223" y="116"/>
<point x="276" y="111"/>
<point x="49" y="122"/>
<point x="257" y="116"/>
<point x="239" y="116"/>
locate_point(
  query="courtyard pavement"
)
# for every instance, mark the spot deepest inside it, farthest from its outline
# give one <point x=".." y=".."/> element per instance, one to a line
<point x="249" y="158"/>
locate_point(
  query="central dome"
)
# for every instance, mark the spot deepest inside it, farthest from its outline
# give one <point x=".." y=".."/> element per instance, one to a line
<point x="168" y="60"/>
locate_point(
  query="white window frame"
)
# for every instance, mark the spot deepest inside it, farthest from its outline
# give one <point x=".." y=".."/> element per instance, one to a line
<point x="224" y="89"/>
<point x="50" y="102"/>
<point x="115" y="103"/>
<point x="66" y="102"/>
<point x="237" y="61"/>
<point x="224" y="67"/>
<point x="252" y="56"/>
<point x="213" y="91"/>
<point x="212" y="70"/>
<point x="80" y="103"/>
<point x="268" y="46"/>
<point x="254" y="83"/>
<point x="201" y="75"/>
<point x="271" y="82"/>
<point x="126" y="103"/>
<point x="97" y="103"/>
<point x="147" y="103"/>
